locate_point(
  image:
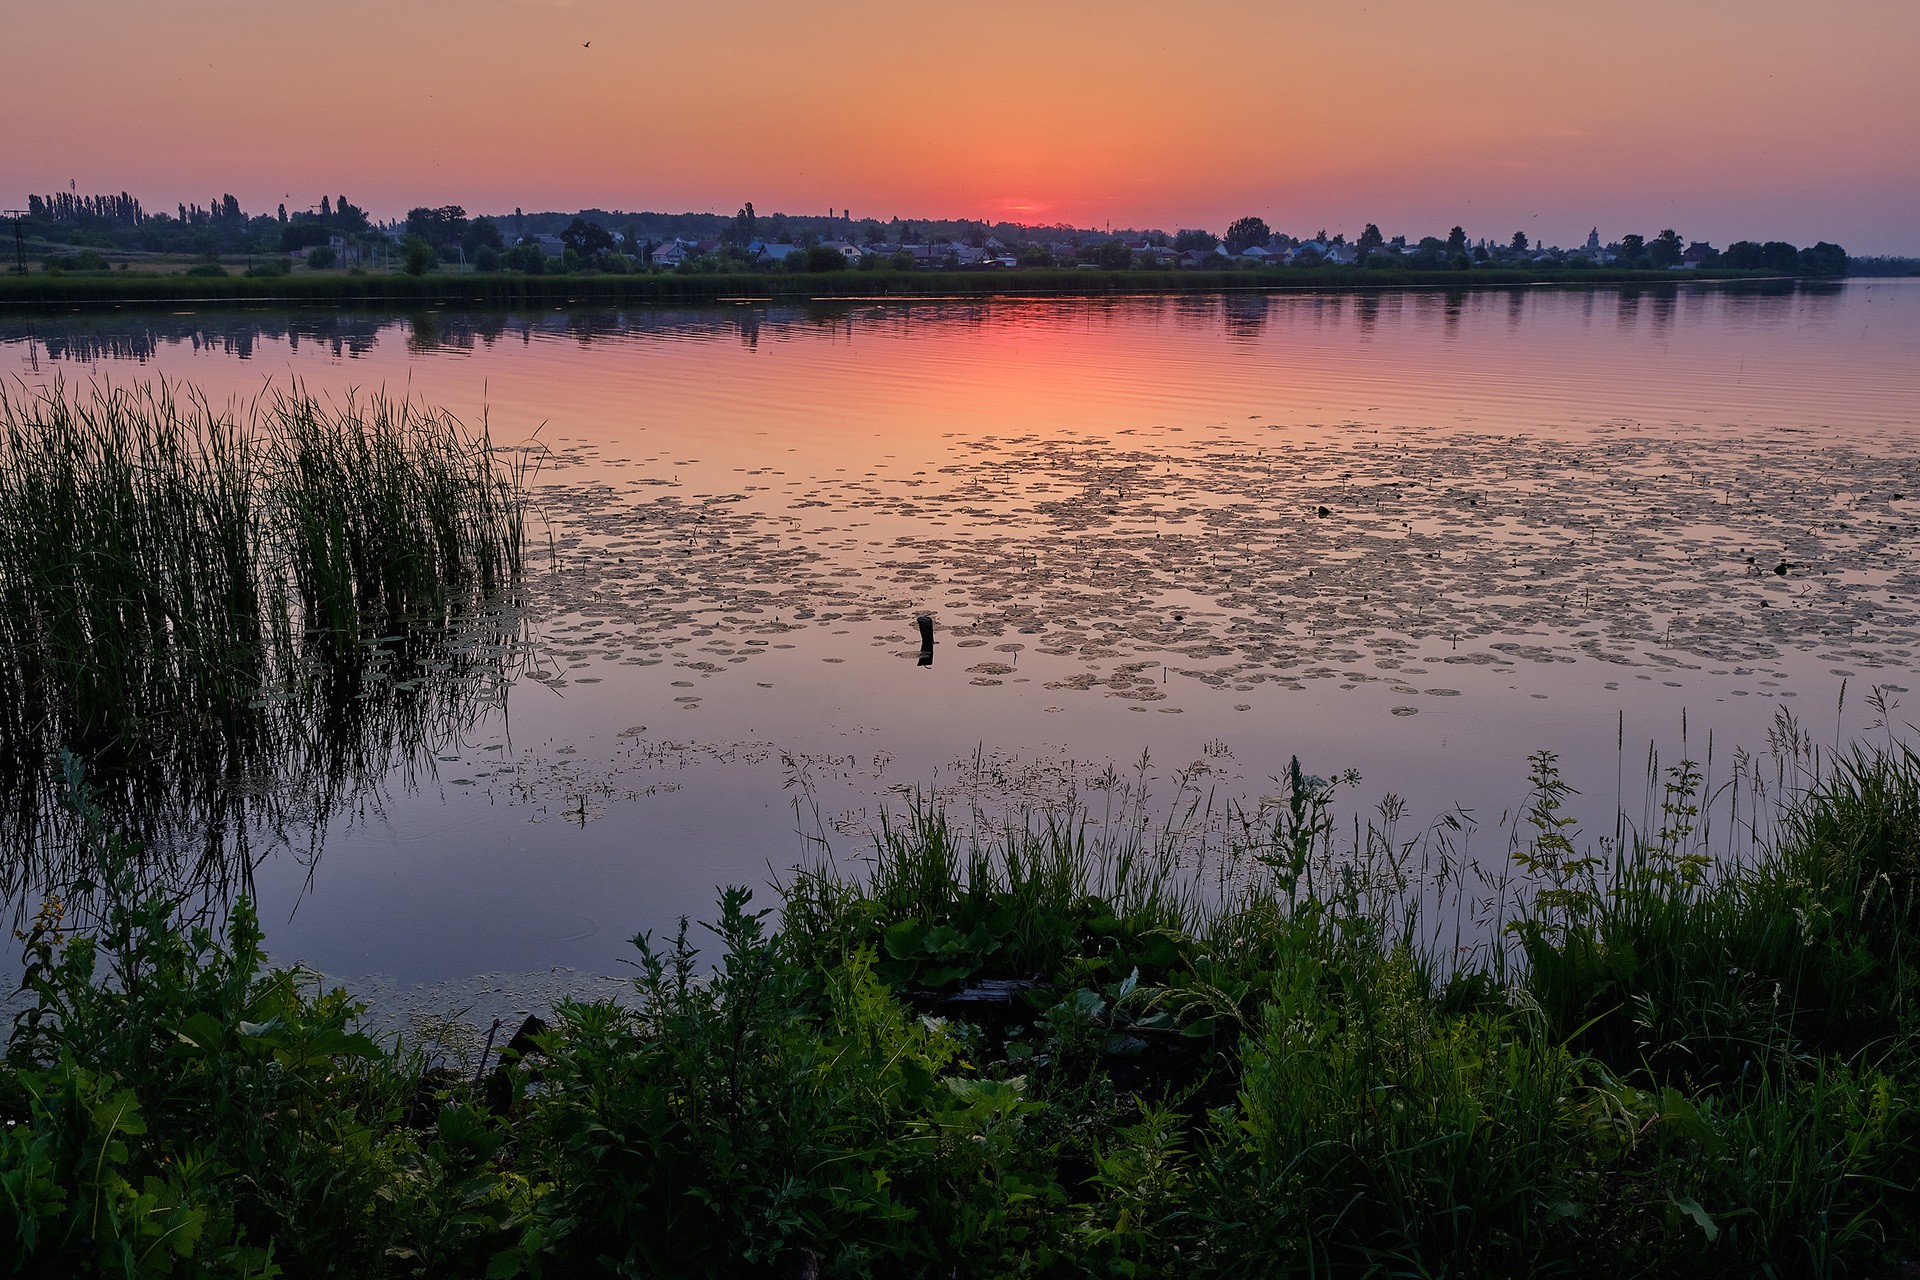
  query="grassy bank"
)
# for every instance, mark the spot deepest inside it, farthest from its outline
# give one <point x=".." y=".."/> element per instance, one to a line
<point x="512" y="288"/>
<point x="1047" y="1054"/>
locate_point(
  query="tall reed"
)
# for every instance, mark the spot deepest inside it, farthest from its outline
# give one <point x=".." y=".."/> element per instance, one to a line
<point x="196" y="598"/>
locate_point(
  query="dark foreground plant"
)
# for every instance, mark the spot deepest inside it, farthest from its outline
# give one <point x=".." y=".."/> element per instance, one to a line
<point x="1042" y="1056"/>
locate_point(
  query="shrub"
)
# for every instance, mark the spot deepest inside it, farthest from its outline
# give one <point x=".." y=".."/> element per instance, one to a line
<point x="1034" y="1054"/>
<point x="417" y="256"/>
<point x="822" y="257"/>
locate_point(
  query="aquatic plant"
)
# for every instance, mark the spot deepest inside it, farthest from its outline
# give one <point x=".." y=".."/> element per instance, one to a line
<point x="199" y="603"/>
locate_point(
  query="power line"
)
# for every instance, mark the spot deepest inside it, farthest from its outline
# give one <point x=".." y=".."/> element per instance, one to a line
<point x="19" y="217"/>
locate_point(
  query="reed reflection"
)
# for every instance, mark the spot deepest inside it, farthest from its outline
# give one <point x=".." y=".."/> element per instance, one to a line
<point x="223" y="627"/>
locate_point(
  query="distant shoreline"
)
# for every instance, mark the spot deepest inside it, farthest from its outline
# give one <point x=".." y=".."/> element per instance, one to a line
<point x="512" y="288"/>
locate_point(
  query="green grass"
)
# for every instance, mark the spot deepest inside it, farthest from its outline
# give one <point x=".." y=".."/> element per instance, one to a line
<point x="510" y="288"/>
<point x="196" y="601"/>
<point x="1242" y="1055"/>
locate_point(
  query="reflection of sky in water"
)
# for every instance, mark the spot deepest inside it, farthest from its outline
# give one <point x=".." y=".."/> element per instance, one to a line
<point x="1416" y="534"/>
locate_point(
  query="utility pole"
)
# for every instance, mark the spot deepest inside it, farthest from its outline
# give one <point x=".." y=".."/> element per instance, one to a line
<point x="19" y="217"/>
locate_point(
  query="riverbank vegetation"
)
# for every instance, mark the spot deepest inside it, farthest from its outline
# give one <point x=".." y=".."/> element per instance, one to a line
<point x="675" y="288"/>
<point x="1049" y="1052"/>
<point x="262" y="594"/>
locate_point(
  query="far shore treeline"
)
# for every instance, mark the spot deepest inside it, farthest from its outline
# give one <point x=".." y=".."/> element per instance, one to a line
<point x="514" y="288"/>
<point x="71" y="247"/>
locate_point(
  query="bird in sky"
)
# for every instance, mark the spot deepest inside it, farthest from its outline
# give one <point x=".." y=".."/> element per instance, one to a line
<point x="587" y="45"/>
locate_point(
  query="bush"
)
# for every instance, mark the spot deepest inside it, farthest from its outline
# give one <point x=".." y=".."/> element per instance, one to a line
<point x="1373" y="1125"/>
<point x="822" y="257"/>
<point x="417" y="257"/>
<point x="1269" y="1083"/>
<point x="320" y="257"/>
<point x="526" y="257"/>
<point x="135" y="1097"/>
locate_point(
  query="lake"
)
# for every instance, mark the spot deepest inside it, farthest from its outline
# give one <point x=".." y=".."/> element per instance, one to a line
<point x="1164" y="543"/>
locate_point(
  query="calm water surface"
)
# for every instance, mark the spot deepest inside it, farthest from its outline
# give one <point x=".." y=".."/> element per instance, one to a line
<point x="1419" y="535"/>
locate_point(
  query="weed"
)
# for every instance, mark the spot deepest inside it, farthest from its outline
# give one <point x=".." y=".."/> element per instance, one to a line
<point x="1037" y="1052"/>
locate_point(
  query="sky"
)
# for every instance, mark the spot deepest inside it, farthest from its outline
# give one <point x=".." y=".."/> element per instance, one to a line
<point x="1723" y="119"/>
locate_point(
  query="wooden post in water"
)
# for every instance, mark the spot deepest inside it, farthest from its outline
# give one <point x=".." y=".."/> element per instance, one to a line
<point x="925" y="623"/>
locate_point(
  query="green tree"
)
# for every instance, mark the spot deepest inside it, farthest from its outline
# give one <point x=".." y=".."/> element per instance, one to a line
<point x="824" y="258"/>
<point x="349" y="219"/>
<point x="482" y="233"/>
<point x="742" y="231"/>
<point x="1109" y="254"/>
<point x="1778" y="255"/>
<point x="588" y="239"/>
<point x="417" y="255"/>
<point x="1244" y="233"/>
<point x="1519" y="244"/>
<point x="1188" y="240"/>
<point x="441" y="228"/>
<point x="526" y="257"/>
<point x="303" y="231"/>
<point x="1665" y="249"/>
<point x="1456" y="242"/>
<point x="1824" y="259"/>
<point x="1370" y="241"/>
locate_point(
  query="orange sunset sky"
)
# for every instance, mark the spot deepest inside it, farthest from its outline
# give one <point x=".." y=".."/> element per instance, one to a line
<point x="1724" y="119"/>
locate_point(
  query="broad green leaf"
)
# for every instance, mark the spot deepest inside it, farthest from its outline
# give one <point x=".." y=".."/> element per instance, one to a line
<point x="1692" y="1209"/>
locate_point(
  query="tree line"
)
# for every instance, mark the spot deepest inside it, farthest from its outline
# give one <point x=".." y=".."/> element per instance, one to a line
<point x="596" y="239"/>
